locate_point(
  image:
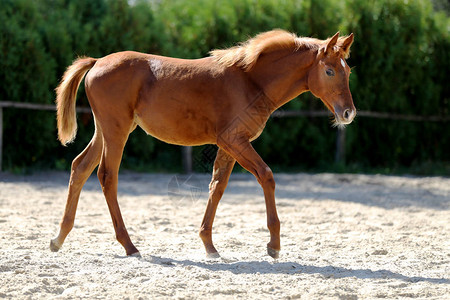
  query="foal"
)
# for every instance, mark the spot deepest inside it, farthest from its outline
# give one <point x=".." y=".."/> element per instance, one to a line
<point x="224" y="99"/>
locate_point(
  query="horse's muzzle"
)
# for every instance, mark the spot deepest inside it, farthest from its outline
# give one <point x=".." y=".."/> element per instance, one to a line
<point x="345" y="116"/>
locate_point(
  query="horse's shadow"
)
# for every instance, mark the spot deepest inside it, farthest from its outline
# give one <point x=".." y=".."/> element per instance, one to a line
<point x="290" y="268"/>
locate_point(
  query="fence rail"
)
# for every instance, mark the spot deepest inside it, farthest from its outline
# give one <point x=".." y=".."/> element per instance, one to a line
<point x="362" y="113"/>
<point x="37" y="106"/>
<point x="31" y="106"/>
<point x="187" y="151"/>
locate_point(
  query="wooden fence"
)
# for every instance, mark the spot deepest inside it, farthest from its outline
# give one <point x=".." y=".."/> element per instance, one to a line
<point x="24" y="105"/>
<point x="187" y="151"/>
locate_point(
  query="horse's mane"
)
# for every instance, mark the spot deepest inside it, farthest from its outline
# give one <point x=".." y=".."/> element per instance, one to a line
<point x="247" y="53"/>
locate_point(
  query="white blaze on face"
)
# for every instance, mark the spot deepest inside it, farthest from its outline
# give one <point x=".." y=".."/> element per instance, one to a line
<point x="342" y="63"/>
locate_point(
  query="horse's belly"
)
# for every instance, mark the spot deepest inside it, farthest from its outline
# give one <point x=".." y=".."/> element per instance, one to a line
<point x="179" y="131"/>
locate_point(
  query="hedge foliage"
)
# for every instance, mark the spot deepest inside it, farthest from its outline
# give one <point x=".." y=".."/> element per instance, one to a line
<point x="401" y="58"/>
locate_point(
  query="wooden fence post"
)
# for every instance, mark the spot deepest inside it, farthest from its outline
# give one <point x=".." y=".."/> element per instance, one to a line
<point x="187" y="159"/>
<point x="340" y="146"/>
<point x="1" y="136"/>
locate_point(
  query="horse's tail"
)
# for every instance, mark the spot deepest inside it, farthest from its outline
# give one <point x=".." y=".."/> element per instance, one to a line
<point x="66" y="94"/>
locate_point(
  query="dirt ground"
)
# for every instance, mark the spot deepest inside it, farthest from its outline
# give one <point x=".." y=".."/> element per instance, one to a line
<point x="343" y="237"/>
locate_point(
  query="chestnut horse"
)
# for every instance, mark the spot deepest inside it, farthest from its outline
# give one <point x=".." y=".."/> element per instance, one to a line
<point x="224" y="99"/>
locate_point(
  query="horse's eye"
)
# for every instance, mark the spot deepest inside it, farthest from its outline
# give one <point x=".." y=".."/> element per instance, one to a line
<point x="330" y="72"/>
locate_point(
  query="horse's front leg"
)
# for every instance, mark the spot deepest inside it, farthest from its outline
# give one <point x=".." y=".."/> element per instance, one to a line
<point x="223" y="165"/>
<point x="248" y="158"/>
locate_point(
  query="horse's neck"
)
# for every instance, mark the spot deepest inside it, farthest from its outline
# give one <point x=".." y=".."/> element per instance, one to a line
<point x="283" y="75"/>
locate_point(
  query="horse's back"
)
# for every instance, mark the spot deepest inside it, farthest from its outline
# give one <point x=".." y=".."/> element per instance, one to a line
<point x="169" y="98"/>
<point x="130" y="68"/>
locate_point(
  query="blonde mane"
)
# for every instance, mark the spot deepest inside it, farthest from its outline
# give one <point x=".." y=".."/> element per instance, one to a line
<point x="247" y="53"/>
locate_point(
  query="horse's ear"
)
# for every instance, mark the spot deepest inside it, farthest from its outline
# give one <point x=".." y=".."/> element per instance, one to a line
<point x="331" y="43"/>
<point x="347" y="43"/>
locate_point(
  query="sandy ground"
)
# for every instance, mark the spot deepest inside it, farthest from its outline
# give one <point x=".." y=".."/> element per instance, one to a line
<point x="343" y="237"/>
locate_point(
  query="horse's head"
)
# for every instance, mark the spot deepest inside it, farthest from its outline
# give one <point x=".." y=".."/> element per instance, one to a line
<point x="328" y="78"/>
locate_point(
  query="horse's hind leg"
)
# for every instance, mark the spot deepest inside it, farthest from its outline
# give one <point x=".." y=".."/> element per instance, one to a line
<point x="223" y="165"/>
<point x="82" y="167"/>
<point x="108" y="173"/>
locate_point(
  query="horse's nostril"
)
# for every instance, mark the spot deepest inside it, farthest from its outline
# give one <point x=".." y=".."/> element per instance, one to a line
<point x="347" y="114"/>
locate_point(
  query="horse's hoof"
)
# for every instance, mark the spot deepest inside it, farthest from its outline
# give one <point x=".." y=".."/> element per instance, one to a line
<point x="273" y="253"/>
<point x="136" y="254"/>
<point x="213" y="255"/>
<point x="133" y="252"/>
<point x="54" y="246"/>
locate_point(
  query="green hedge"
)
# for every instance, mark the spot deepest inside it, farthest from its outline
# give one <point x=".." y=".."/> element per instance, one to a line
<point x="400" y="58"/>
